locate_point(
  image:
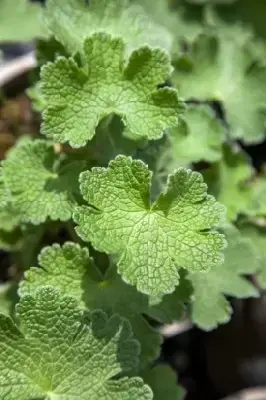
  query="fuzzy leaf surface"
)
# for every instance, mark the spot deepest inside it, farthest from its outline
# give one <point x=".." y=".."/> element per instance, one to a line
<point x="151" y="240"/>
<point x="41" y="184"/>
<point x="79" y="98"/>
<point x="71" y="21"/>
<point x="58" y="352"/>
<point x="239" y="86"/>
<point x="70" y="269"/>
<point x="210" y="307"/>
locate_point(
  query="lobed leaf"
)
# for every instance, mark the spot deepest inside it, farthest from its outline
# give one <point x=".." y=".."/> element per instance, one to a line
<point x="60" y="352"/>
<point x="210" y="306"/>
<point x="70" y="269"/>
<point x="42" y="185"/>
<point x="79" y="98"/>
<point x="151" y="241"/>
<point x="198" y="137"/>
<point x="238" y="86"/>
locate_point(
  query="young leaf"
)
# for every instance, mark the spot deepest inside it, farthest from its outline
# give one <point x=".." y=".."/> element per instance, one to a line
<point x="71" y="21"/>
<point x="228" y="182"/>
<point x="79" y="98"/>
<point x="41" y="184"/>
<point x="58" y="352"/>
<point x="151" y="240"/>
<point x="19" y="20"/>
<point x="70" y="269"/>
<point x="239" y="86"/>
<point x="198" y="137"/>
<point x="210" y="307"/>
<point x="162" y="380"/>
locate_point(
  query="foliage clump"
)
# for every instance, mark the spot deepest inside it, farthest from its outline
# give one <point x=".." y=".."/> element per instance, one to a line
<point x="135" y="203"/>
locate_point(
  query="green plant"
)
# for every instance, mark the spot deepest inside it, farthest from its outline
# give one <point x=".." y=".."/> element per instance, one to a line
<point x="158" y="202"/>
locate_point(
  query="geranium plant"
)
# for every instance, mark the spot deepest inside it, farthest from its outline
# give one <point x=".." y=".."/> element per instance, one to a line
<point x="140" y="162"/>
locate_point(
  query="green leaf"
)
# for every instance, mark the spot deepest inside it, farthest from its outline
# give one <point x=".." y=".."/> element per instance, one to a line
<point x="199" y="137"/>
<point x="70" y="269"/>
<point x="163" y="382"/>
<point x="8" y="298"/>
<point x="110" y="141"/>
<point x="19" y="20"/>
<point x="35" y="94"/>
<point x="10" y="218"/>
<point x="58" y="352"/>
<point x="257" y="204"/>
<point x="4" y="195"/>
<point x="180" y="19"/>
<point x="48" y="49"/>
<point x="239" y="86"/>
<point x="257" y="235"/>
<point x="151" y="241"/>
<point x="210" y="306"/>
<point x="10" y="240"/>
<point x="10" y="235"/>
<point x="79" y="98"/>
<point x="170" y="309"/>
<point x="42" y="184"/>
<point x="218" y="2"/>
<point x="71" y="21"/>
<point x="228" y="182"/>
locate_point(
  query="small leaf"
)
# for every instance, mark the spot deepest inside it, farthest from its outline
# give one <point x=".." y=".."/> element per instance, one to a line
<point x="210" y="306"/>
<point x="198" y="137"/>
<point x="41" y="184"/>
